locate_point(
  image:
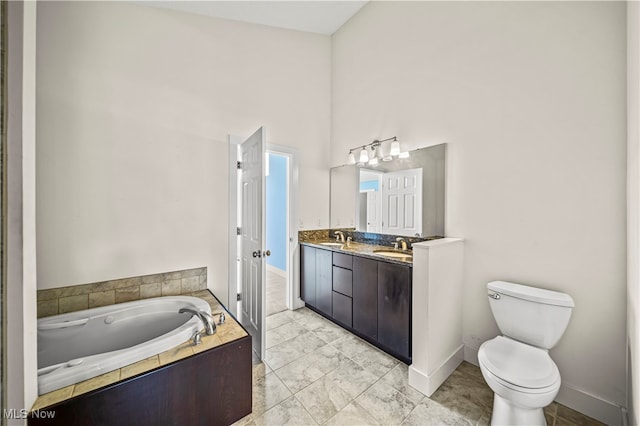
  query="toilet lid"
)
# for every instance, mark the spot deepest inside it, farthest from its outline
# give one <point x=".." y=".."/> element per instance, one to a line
<point x="518" y="363"/>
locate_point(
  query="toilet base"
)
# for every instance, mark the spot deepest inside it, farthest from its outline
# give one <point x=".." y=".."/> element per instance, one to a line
<point x="507" y="413"/>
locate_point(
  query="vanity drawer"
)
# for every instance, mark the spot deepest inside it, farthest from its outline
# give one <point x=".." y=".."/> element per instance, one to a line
<point x="343" y="260"/>
<point x="342" y="309"/>
<point x="343" y="281"/>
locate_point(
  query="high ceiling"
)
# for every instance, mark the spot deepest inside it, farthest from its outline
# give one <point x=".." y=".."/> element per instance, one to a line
<point x="322" y="17"/>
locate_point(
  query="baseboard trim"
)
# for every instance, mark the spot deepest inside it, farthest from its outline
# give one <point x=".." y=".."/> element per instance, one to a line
<point x="574" y="398"/>
<point x="428" y="384"/>
<point x="591" y="405"/>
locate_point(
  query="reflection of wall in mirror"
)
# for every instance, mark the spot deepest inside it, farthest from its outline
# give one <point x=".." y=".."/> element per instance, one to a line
<point x="344" y="188"/>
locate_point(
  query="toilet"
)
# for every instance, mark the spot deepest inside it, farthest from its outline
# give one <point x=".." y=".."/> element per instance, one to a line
<point x="517" y="365"/>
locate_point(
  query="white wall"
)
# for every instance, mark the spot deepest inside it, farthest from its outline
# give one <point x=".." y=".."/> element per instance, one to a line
<point x="633" y="213"/>
<point x="134" y="108"/>
<point x="530" y="97"/>
<point x="21" y="337"/>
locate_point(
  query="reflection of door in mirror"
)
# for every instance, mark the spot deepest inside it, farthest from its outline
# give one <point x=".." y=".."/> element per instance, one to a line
<point x="374" y="220"/>
<point x="370" y="201"/>
<point x="402" y="202"/>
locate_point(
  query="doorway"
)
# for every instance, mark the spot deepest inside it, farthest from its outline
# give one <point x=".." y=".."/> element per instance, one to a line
<point x="257" y="296"/>
<point x="277" y="218"/>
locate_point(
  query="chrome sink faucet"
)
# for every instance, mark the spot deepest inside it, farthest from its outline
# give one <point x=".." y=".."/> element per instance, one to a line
<point x="402" y="242"/>
<point x="207" y="320"/>
<point x="339" y="236"/>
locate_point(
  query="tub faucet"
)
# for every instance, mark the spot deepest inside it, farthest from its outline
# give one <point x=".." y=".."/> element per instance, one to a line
<point x="207" y="320"/>
<point x="403" y="243"/>
<point x="339" y="236"/>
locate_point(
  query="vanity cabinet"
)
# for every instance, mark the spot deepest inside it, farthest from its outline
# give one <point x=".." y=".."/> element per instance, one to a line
<point x="308" y="275"/>
<point x="316" y="278"/>
<point x="324" y="295"/>
<point x="365" y="297"/>
<point x="343" y="289"/>
<point x="394" y="308"/>
<point x="369" y="297"/>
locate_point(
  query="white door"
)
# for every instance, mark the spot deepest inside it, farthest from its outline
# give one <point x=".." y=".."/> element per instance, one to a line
<point x="402" y="202"/>
<point x="373" y="212"/>
<point x="252" y="237"/>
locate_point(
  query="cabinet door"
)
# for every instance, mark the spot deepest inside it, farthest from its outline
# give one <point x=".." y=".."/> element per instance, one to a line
<point x="365" y="296"/>
<point x="308" y="275"/>
<point x="394" y="308"/>
<point x="324" y="291"/>
<point x="342" y="308"/>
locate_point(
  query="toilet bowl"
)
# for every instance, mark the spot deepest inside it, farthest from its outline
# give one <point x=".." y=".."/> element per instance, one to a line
<point x="517" y="365"/>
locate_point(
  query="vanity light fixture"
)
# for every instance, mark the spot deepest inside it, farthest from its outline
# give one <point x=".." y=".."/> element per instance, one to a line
<point x="404" y="154"/>
<point x="377" y="152"/>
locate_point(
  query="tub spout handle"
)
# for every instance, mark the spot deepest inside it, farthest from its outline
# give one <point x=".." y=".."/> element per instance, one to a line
<point x="206" y="318"/>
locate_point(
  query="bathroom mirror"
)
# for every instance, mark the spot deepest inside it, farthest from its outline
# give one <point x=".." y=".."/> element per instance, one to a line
<point x="404" y="196"/>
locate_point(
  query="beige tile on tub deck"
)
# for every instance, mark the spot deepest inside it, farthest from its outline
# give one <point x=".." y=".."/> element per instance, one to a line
<point x="174" y="354"/>
<point x="73" y="303"/>
<point x="51" y="398"/>
<point x="139" y="367"/>
<point x="102" y="298"/>
<point x="96" y="382"/>
<point x="208" y="342"/>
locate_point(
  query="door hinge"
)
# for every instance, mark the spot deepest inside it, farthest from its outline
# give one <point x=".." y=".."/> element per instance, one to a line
<point x="238" y="298"/>
<point x="239" y="165"/>
<point x="238" y="231"/>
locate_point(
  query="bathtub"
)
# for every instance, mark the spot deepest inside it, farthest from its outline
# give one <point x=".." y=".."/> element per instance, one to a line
<point x="79" y="345"/>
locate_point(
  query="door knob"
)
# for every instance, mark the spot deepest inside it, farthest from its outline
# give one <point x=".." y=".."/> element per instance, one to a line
<point x="267" y="253"/>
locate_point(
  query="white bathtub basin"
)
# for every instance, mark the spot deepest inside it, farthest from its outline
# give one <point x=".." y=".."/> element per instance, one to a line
<point x="77" y="346"/>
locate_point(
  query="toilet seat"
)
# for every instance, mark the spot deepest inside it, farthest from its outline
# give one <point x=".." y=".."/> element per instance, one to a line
<point x="518" y="366"/>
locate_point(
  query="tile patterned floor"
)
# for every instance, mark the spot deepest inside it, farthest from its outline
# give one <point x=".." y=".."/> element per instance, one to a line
<point x="315" y="372"/>
<point x="276" y="293"/>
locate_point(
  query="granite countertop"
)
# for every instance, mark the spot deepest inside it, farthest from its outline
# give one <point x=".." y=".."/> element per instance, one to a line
<point x="364" y="250"/>
<point x="225" y="333"/>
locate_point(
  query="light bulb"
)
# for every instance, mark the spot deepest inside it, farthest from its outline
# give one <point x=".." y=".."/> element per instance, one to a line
<point x="395" y="148"/>
<point x="373" y="161"/>
<point x="364" y="156"/>
<point x="352" y="158"/>
<point x="378" y="152"/>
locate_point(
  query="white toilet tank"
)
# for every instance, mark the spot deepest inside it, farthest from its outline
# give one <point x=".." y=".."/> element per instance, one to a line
<point x="528" y="314"/>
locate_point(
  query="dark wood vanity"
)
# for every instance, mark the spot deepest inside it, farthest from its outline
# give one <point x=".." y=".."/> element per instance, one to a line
<point x="369" y="297"/>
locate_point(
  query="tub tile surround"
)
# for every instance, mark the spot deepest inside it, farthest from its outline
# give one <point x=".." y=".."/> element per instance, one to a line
<point x="63" y="300"/>
<point x="225" y="333"/>
<point x="346" y="381"/>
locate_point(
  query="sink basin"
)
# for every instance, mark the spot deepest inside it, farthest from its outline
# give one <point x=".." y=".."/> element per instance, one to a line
<point x="332" y="244"/>
<point x="395" y="254"/>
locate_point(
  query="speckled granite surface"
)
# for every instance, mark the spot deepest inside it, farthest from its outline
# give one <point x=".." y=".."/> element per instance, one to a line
<point x="225" y="333"/>
<point x="364" y="250"/>
<point x="385" y="240"/>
